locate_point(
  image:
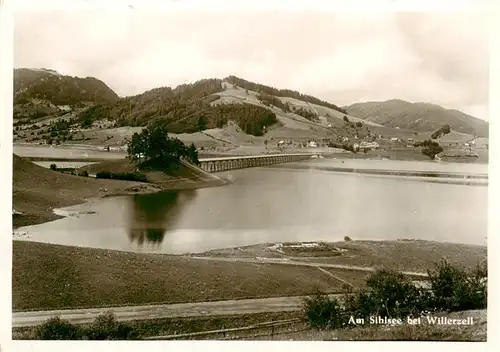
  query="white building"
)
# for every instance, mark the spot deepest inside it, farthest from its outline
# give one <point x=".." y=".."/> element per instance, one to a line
<point x="371" y="145"/>
<point x="312" y="144"/>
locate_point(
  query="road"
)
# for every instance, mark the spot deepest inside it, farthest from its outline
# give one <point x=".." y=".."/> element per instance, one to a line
<point x="229" y="307"/>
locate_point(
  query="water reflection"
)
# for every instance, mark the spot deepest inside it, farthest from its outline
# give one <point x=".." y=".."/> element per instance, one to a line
<point x="151" y="215"/>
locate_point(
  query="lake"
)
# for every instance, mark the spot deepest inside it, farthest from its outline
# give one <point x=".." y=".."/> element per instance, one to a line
<point x="63" y="164"/>
<point x="64" y="152"/>
<point x="287" y="202"/>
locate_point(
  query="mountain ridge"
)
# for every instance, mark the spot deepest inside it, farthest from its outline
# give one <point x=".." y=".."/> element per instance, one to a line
<point x="213" y="102"/>
<point x="419" y="116"/>
<point x="58" y="89"/>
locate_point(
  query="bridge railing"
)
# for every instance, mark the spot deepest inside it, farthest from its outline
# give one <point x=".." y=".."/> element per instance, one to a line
<point x="254" y="156"/>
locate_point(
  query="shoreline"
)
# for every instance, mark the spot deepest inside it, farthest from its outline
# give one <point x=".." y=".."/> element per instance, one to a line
<point x="31" y="219"/>
<point x="55" y="190"/>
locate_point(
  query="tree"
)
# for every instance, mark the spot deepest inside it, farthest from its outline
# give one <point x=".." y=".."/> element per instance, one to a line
<point x="445" y="129"/>
<point x="346" y="119"/>
<point x="192" y="154"/>
<point x="158" y="149"/>
<point x="359" y="124"/>
<point x="430" y="148"/>
<point x="202" y="124"/>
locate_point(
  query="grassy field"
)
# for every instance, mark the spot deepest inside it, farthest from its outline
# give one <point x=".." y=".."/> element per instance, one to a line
<point x="409" y="255"/>
<point x="49" y="276"/>
<point x="405" y="255"/>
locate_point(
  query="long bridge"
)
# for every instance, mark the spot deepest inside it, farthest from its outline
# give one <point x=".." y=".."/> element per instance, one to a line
<point x="212" y="164"/>
<point x="240" y="162"/>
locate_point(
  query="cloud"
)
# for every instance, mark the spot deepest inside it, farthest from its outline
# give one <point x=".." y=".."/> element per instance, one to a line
<point x="341" y="57"/>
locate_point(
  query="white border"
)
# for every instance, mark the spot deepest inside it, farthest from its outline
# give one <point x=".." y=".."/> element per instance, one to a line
<point x="245" y="5"/>
<point x="6" y="72"/>
<point x="6" y="65"/>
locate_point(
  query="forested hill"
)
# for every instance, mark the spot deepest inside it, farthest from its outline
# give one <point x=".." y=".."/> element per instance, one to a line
<point x="53" y="88"/>
<point x="184" y="109"/>
<point x="189" y="108"/>
<point x="422" y="117"/>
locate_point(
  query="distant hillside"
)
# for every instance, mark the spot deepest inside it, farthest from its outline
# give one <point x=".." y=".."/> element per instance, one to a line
<point x="46" y="88"/>
<point x="420" y="117"/>
<point x="184" y="109"/>
<point x="212" y="103"/>
<point x="283" y="93"/>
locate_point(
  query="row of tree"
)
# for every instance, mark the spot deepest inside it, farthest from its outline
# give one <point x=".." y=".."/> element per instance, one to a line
<point x="240" y="82"/>
<point x="306" y="113"/>
<point x="272" y="100"/>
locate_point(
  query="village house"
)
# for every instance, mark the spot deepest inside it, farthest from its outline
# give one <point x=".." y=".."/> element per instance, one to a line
<point x="369" y="145"/>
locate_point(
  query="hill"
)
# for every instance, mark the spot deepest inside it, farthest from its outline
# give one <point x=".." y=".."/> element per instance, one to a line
<point x="184" y="109"/>
<point x="422" y="117"/>
<point x="43" y="92"/>
<point x="212" y="103"/>
<point x="233" y="115"/>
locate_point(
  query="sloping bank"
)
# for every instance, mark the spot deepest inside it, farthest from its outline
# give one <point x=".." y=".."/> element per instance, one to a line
<point x="37" y="191"/>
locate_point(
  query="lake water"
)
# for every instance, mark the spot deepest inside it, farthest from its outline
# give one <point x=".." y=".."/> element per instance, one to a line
<point x="64" y="152"/>
<point x="281" y="203"/>
<point x="63" y="164"/>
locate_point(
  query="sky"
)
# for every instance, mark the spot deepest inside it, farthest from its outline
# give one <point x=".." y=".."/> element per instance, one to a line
<point x="344" y="58"/>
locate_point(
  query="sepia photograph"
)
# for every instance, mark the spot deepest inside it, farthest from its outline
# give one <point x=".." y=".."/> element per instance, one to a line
<point x="249" y="175"/>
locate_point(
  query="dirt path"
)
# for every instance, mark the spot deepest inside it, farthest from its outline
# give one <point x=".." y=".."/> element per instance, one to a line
<point x="229" y="307"/>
